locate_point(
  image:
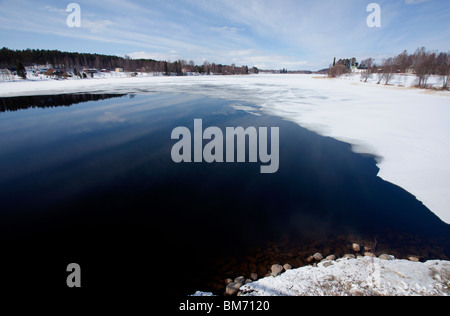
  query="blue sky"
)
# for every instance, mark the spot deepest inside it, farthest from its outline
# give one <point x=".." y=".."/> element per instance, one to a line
<point x="293" y="34"/>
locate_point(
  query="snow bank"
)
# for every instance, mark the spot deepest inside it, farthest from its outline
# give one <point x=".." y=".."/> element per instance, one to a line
<point x="406" y="128"/>
<point x="366" y="277"/>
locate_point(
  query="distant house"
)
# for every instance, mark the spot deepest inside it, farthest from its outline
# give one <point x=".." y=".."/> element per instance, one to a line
<point x="58" y="72"/>
<point x="355" y="69"/>
<point x="49" y="72"/>
<point x="119" y="69"/>
<point x="42" y="71"/>
<point x="410" y="70"/>
<point x="90" y="70"/>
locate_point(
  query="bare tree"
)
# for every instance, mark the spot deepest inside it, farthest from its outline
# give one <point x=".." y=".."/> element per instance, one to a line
<point x="4" y="74"/>
<point x="423" y="62"/>
<point x="191" y="66"/>
<point x="97" y="63"/>
<point x="336" y="71"/>
<point x="342" y="66"/>
<point x="443" y="68"/>
<point x="403" y="61"/>
<point x="367" y="65"/>
<point x="381" y="75"/>
<point x="389" y="67"/>
<point x="207" y="67"/>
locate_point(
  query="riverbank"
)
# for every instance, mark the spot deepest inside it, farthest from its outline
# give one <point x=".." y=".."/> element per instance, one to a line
<point x="293" y="254"/>
<point x="362" y="276"/>
<point x="362" y="271"/>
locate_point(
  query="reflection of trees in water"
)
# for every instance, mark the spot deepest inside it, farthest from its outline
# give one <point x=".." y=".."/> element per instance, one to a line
<point x="48" y="101"/>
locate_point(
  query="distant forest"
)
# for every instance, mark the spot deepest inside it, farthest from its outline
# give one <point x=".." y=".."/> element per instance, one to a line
<point x="78" y="61"/>
<point x="422" y="63"/>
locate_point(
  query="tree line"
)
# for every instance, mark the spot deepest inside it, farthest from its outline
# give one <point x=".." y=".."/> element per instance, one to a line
<point x="422" y="63"/>
<point x="74" y="62"/>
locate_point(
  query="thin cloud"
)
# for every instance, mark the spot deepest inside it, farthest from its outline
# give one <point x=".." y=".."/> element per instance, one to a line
<point x="224" y="29"/>
<point x="415" y="1"/>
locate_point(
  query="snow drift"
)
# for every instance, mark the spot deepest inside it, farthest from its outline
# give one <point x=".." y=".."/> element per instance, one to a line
<point x="358" y="277"/>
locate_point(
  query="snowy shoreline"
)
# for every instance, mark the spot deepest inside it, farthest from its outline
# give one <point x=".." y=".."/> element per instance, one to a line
<point x="407" y="129"/>
<point x="361" y="270"/>
<point x="364" y="276"/>
<point x="360" y="273"/>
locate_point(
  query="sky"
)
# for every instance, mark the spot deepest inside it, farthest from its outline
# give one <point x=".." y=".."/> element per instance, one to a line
<point x="268" y="34"/>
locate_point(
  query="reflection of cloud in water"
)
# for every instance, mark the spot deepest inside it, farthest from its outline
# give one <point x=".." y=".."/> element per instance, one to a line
<point x="82" y="130"/>
<point x="249" y="109"/>
<point x="109" y="117"/>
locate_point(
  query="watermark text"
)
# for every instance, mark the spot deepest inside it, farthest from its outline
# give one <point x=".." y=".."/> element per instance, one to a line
<point x="74" y="18"/>
<point x="235" y="145"/>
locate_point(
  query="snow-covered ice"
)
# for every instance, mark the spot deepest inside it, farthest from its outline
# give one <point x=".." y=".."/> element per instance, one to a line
<point x="407" y="129"/>
<point x="366" y="277"/>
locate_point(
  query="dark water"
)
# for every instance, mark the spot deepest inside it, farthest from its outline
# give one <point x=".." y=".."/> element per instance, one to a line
<point x="94" y="184"/>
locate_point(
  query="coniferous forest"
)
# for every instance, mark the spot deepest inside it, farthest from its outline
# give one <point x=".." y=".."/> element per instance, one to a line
<point x="68" y="61"/>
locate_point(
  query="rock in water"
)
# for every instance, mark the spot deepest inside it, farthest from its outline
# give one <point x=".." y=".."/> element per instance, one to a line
<point x="356" y="247"/>
<point x="239" y="279"/>
<point x="233" y="288"/>
<point x="318" y="256"/>
<point x="287" y="266"/>
<point x="276" y="269"/>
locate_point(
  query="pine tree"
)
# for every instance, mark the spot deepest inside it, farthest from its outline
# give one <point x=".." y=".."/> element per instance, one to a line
<point x="21" y="72"/>
<point x="166" y="69"/>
